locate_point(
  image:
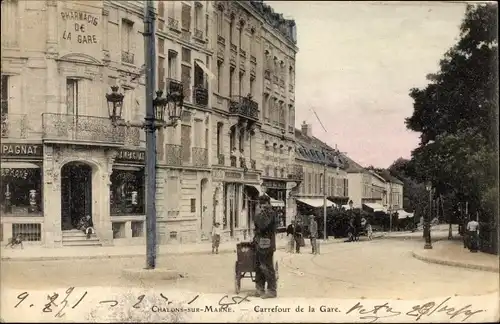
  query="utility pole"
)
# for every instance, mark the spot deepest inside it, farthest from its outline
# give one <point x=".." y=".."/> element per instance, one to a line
<point x="390" y="207"/>
<point x="150" y="60"/>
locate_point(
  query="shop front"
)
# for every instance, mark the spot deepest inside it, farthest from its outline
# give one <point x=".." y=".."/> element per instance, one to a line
<point x="277" y="191"/>
<point x="235" y="198"/>
<point x="127" y="197"/>
<point x="21" y="192"/>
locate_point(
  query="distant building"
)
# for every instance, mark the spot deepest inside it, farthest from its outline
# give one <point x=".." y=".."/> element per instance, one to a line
<point x="313" y="157"/>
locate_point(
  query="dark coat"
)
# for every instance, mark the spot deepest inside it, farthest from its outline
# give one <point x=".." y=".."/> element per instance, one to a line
<point x="265" y="226"/>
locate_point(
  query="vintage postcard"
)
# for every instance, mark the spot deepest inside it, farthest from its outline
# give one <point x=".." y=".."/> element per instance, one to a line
<point x="249" y="161"/>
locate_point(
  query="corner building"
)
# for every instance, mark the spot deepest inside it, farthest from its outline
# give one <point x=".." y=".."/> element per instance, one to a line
<point x="62" y="159"/>
<point x="252" y="112"/>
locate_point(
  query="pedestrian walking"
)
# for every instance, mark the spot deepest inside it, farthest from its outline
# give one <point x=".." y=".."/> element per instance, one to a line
<point x="472" y="227"/>
<point x="265" y="246"/>
<point x="290" y="231"/>
<point x="313" y="229"/>
<point x="215" y="238"/>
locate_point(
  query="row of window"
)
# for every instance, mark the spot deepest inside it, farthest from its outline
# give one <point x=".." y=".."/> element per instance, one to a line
<point x="335" y="187"/>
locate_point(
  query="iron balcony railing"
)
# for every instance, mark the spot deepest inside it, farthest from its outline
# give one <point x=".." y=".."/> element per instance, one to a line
<point x="200" y="96"/>
<point x="253" y="59"/>
<point x="78" y="128"/>
<point x="173" y="154"/>
<point x="200" y="156"/>
<point x="173" y="23"/>
<point x="245" y="107"/>
<point x="198" y="34"/>
<point x="174" y="86"/>
<point x="221" y="40"/>
<point x="127" y="57"/>
<point x="19" y="126"/>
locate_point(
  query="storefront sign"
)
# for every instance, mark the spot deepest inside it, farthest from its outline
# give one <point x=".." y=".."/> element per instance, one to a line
<point x="232" y="175"/>
<point x="275" y="184"/>
<point x="22" y="150"/>
<point x="80" y="31"/>
<point x="131" y="156"/>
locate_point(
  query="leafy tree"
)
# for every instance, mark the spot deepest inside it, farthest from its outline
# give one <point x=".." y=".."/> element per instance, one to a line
<point x="457" y="117"/>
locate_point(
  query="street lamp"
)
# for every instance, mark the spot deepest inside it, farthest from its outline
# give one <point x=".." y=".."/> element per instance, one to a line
<point x="427" y="225"/>
<point x="154" y="120"/>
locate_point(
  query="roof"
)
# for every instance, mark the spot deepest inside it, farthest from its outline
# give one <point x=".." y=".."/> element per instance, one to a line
<point x="311" y="149"/>
<point x="353" y="167"/>
<point x="388" y="176"/>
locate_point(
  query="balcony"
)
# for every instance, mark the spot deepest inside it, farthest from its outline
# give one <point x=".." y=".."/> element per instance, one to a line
<point x="127" y="57"/>
<point x="18" y="126"/>
<point x="281" y="83"/>
<point x="296" y="172"/>
<point x="200" y="96"/>
<point x="244" y="107"/>
<point x="200" y="156"/>
<point x="173" y="154"/>
<point x="198" y="34"/>
<point x="275" y="79"/>
<point x="234" y="48"/>
<point x="290" y="87"/>
<point x="173" y="24"/>
<point x="88" y="130"/>
<point x="221" y="159"/>
<point x="253" y="59"/>
<point x="174" y="86"/>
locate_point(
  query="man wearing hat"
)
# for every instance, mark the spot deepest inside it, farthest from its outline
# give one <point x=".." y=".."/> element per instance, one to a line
<point x="265" y="245"/>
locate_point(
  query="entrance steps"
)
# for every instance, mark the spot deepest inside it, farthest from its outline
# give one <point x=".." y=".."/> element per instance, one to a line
<point x="76" y="237"/>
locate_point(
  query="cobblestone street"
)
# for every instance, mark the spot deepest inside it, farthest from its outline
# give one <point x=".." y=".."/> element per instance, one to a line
<point x="376" y="269"/>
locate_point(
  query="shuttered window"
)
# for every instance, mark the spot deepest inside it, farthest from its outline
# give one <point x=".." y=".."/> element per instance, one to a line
<point x="186" y="82"/>
<point x="186" y="143"/>
<point x="186" y="17"/>
<point x="161" y="73"/>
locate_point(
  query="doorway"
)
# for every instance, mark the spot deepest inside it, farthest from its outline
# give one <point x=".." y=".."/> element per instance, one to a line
<point x="204" y="226"/>
<point x="76" y="194"/>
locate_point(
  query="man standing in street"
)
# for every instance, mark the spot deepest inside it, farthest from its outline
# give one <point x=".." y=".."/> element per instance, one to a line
<point x="472" y="227"/>
<point x="314" y="234"/>
<point x="265" y="245"/>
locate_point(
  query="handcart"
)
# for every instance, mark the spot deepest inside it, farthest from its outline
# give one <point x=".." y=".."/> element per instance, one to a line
<point x="245" y="265"/>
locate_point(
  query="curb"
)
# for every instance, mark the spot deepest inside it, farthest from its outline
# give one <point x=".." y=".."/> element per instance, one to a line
<point x="116" y="256"/>
<point x="457" y="264"/>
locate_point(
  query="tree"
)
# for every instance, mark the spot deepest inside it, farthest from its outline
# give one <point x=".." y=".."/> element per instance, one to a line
<point x="457" y="117"/>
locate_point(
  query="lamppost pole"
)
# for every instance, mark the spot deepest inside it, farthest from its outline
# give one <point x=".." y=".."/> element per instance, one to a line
<point x="324" y="200"/>
<point x="150" y="62"/>
<point x="156" y="118"/>
<point x="427" y="225"/>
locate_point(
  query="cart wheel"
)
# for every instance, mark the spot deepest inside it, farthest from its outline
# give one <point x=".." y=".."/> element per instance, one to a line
<point x="237" y="279"/>
<point x="276" y="270"/>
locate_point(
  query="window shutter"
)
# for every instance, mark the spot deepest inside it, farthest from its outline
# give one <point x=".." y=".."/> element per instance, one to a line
<point x="186" y="81"/>
<point x="186" y="17"/>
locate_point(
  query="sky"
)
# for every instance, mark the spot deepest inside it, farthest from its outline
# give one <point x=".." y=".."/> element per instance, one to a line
<point x="357" y="62"/>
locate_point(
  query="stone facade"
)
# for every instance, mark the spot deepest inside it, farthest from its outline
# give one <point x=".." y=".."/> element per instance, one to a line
<point x="60" y="58"/>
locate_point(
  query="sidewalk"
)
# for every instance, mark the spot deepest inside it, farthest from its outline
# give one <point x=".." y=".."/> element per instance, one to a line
<point x="452" y="253"/>
<point x="38" y="253"/>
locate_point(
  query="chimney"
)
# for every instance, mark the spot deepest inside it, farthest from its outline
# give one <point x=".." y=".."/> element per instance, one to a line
<point x="306" y="129"/>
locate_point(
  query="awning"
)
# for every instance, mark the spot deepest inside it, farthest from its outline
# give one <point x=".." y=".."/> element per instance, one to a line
<point x="376" y="207"/>
<point x="19" y="165"/>
<point x="315" y="202"/>
<point x="256" y="186"/>
<point x="277" y="203"/>
<point x="402" y="214"/>
<point x="205" y="69"/>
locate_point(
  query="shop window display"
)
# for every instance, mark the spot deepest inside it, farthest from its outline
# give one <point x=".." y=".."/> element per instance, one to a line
<point x="127" y="192"/>
<point x="21" y="192"/>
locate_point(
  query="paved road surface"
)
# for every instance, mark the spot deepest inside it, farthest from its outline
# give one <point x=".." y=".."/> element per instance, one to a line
<point x="376" y="269"/>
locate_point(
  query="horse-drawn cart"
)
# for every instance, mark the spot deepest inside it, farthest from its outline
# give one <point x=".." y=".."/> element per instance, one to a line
<point x="245" y="265"/>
